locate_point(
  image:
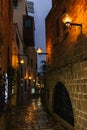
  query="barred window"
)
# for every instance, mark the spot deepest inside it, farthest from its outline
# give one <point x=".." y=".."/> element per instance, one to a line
<point x="28" y="23"/>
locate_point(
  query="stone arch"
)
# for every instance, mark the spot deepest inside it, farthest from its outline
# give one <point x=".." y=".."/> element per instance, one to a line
<point x="62" y="105"/>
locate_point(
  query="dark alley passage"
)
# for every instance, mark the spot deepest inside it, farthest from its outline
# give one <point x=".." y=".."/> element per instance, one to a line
<point x="32" y="116"/>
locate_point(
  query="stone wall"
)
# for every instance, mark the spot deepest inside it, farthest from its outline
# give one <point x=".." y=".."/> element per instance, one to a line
<point x="68" y="58"/>
<point x="74" y="78"/>
<point x="6" y="29"/>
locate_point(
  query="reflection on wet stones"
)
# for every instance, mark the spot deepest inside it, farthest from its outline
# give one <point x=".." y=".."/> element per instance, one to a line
<point x="32" y="116"/>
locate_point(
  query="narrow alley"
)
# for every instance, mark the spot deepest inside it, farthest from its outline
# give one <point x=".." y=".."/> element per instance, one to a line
<point x="32" y="116"/>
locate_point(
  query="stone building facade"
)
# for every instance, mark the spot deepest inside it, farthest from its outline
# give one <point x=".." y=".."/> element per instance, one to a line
<point x="66" y="79"/>
<point x="6" y="37"/>
<point x="14" y="77"/>
<point x="25" y="46"/>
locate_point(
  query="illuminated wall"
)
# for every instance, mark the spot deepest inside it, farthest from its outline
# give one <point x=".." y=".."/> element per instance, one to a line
<point x="67" y="48"/>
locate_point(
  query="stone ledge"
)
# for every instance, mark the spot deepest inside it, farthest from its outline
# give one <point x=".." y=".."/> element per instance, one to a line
<point x="63" y="123"/>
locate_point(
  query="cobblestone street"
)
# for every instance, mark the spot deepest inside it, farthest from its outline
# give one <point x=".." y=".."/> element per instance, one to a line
<point x="32" y="116"/>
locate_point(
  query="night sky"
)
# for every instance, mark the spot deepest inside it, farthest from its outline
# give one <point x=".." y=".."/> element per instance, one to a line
<point x="41" y="9"/>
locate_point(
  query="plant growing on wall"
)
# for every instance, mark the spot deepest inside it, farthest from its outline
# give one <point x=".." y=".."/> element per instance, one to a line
<point x="43" y="67"/>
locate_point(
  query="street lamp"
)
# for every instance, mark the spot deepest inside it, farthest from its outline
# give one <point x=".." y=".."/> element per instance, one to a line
<point x="20" y="73"/>
<point x="18" y="61"/>
<point x="67" y="21"/>
<point x="40" y="52"/>
<point x="21" y="61"/>
<point x="42" y="76"/>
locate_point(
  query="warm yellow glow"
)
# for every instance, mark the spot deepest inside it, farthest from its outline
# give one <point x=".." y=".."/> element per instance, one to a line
<point x="66" y="19"/>
<point x="49" y="46"/>
<point x="26" y="76"/>
<point x="34" y="106"/>
<point x="30" y="77"/>
<point x="22" y="61"/>
<point x="33" y="80"/>
<point x="39" y="50"/>
<point x="14" y="61"/>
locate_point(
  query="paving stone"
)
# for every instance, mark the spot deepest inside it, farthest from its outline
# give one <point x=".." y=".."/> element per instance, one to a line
<point x="32" y="116"/>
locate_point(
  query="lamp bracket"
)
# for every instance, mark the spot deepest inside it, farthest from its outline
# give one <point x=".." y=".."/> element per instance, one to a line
<point x="76" y="24"/>
<point x="73" y="24"/>
<point x="43" y="53"/>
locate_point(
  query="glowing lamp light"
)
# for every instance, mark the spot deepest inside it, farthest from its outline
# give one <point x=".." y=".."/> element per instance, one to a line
<point x="30" y="77"/>
<point x="22" y="61"/>
<point x="33" y="80"/>
<point x="66" y="19"/>
<point x="39" y="50"/>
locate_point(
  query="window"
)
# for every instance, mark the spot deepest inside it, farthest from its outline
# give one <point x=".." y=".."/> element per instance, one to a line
<point x="30" y="6"/>
<point x="28" y="23"/>
<point x="15" y="4"/>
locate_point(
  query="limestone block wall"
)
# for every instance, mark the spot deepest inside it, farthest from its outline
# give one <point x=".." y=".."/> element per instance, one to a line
<point x="74" y="78"/>
<point x="18" y="15"/>
<point x="68" y="58"/>
<point x="6" y="32"/>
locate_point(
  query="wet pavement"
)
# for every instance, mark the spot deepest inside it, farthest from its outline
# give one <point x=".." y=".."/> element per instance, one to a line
<point x="32" y="116"/>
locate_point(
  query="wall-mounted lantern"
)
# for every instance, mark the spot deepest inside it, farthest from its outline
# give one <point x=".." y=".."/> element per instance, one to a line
<point x="21" y="61"/>
<point x="67" y="20"/>
<point x="30" y="77"/>
<point x="40" y="52"/>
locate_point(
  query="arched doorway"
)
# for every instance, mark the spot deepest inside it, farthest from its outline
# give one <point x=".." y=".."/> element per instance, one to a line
<point x="61" y="103"/>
